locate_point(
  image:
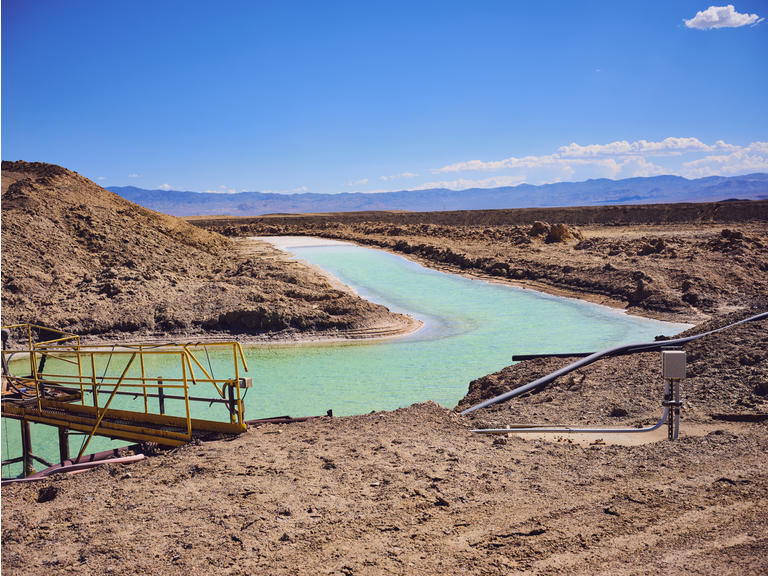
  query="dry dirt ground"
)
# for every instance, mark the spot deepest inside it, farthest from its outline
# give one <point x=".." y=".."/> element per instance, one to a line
<point x="415" y="491"/>
<point x="406" y="492"/>
<point x="80" y="258"/>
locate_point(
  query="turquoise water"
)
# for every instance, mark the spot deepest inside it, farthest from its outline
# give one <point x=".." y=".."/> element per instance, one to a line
<point x="471" y="328"/>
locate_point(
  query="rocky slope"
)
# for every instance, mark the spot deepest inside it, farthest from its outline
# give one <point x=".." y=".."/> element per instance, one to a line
<point x="80" y="258"/>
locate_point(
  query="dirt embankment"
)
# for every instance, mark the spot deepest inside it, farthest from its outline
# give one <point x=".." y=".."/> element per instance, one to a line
<point x="415" y="492"/>
<point x="726" y="373"/>
<point x="80" y="258"/>
<point x="680" y="271"/>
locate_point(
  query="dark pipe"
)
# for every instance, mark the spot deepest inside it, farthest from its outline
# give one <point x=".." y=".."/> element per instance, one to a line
<point x="6" y="334"/>
<point x="161" y="395"/>
<point x="627" y="349"/>
<point x="280" y="420"/>
<point x="63" y="443"/>
<point x="285" y="419"/>
<point x="521" y="357"/>
<point x="26" y="448"/>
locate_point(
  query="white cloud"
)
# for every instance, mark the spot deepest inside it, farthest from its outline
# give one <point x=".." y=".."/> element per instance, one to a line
<point x="673" y="146"/>
<point x="165" y="187"/>
<point x="463" y="183"/>
<point x="752" y="158"/>
<point x="398" y="176"/>
<point x="134" y="175"/>
<point x="361" y="182"/>
<point x="479" y="165"/>
<point x="222" y="189"/>
<point x="551" y="161"/>
<point x="685" y="156"/>
<point x="297" y="190"/>
<point x="721" y="17"/>
<point x="101" y="178"/>
<point x="640" y="167"/>
<point x="758" y="147"/>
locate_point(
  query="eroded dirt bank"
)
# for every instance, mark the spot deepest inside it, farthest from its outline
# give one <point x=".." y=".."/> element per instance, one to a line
<point x="80" y="258"/>
<point x="669" y="267"/>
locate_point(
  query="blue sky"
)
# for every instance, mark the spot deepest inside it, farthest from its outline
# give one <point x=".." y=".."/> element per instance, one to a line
<point x="365" y="96"/>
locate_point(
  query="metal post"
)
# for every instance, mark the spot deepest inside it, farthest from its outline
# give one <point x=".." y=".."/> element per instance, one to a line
<point x="231" y="394"/>
<point x="94" y="387"/>
<point x="63" y="443"/>
<point x="26" y="447"/>
<point x="161" y="395"/>
<point x="678" y="404"/>
<point x="143" y="380"/>
<point x="668" y="405"/>
<point x="673" y="403"/>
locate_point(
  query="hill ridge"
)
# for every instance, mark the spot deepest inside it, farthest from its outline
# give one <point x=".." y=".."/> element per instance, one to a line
<point x="81" y="258"/>
<point x="637" y="190"/>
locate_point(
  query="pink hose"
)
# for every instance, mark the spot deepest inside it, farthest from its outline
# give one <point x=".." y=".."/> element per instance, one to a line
<point x="42" y="475"/>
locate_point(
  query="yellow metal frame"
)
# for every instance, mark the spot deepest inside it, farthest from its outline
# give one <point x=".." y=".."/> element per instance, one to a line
<point x="71" y="410"/>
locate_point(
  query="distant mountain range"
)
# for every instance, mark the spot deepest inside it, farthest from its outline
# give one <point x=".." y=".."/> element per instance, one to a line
<point x="651" y="190"/>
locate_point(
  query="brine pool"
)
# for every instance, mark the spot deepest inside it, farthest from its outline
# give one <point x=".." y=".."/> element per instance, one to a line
<point x="471" y="328"/>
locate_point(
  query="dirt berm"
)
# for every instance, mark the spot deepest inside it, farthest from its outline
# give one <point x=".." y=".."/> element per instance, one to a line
<point x="678" y="261"/>
<point x="80" y="258"/>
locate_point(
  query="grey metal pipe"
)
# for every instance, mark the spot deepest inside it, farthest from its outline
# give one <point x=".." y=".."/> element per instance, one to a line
<point x="626" y="349"/>
<point x="572" y="429"/>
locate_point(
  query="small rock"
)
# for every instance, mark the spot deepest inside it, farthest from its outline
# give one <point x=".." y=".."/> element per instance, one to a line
<point x="539" y="229"/>
<point x="47" y="493"/>
<point x="559" y="233"/>
<point x="618" y="412"/>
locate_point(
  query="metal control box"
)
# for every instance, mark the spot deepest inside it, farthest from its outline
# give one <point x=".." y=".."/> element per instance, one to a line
<point x="246" y="382"/>
<point x="673" y="364"/>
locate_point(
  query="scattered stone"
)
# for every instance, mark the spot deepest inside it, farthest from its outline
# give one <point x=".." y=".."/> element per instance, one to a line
<point x="562" y="233"/>
<point x="539" y="229"/>
<point x="47" y="493"/>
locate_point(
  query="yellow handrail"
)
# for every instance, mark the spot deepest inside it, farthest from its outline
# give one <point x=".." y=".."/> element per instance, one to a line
<point x="106" y="407"/>
<point x="62" y="386"/>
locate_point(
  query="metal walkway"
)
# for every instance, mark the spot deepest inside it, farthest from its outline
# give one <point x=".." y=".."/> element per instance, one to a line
<point x="51" y="378"/>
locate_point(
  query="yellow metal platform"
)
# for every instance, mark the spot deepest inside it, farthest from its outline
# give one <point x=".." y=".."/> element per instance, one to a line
<point x="72" y="394"/>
